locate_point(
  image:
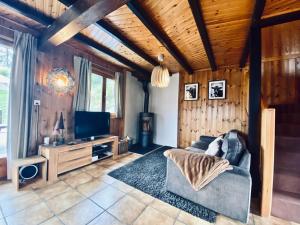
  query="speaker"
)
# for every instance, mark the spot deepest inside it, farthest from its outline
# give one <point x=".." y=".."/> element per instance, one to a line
<point x="28" y="172"/>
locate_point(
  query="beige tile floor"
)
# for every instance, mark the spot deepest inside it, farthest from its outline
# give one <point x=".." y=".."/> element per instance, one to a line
<point x="89" y="196"/>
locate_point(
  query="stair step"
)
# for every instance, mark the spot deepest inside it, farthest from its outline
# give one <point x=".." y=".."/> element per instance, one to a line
<point x="286" y="205"/>
<point x="288" y="118"/>
<point x="288" y="160"/>
<point x="287" y="180"/>
<point x="286" y="129"/>
<point x="284" y="143"/>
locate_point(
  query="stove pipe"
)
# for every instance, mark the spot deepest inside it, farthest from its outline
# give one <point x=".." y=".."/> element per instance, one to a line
<point x="146" y="99"/>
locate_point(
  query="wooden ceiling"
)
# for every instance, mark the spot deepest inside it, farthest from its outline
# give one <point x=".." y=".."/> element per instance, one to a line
<point x="227" y="24"/>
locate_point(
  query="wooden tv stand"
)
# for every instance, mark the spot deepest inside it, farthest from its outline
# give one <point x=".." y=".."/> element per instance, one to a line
<point x="64" y="158"/>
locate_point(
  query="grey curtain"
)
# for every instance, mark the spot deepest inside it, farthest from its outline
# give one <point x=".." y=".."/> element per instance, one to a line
<point x="119" y="90"/>
<point x="83" y="70"/>
<point x="21" y="97"/>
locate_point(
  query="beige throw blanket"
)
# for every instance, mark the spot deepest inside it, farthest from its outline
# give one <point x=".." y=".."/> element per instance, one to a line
<point x="198" y="168"/>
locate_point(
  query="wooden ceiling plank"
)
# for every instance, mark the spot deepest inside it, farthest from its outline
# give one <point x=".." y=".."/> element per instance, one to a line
<point x="159" y="34"/>
<point x="198" y="17"/>
<point x="279" y="19"/>
<point x="30" y="13"/>
<point x="116" y="34"/>
<point x="90" y="42"/>
<point x="77" y="17"/>
<point x="256" y="16"/>
<point x="27" y="11"/>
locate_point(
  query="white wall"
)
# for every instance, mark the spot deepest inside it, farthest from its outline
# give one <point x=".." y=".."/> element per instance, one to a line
<point x="164" y="103"/>
<point x="134" y="103"/>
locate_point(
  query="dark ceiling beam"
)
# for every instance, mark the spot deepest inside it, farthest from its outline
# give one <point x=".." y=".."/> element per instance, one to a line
<point x="199" y="19"/>
<point x="160" y="35"/>
<point x="76" y="18"/>
<point x="116" y="34"/>
<point x="279" y="19"/>
<point x="257" y="13"/>
<point x="41" y="18"/>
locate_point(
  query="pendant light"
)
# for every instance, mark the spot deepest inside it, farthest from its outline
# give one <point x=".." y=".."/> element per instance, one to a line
<point x="160" y="76"/>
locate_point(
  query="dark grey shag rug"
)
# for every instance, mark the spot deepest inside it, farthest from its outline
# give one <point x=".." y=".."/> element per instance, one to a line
<point x="148" y="174"/>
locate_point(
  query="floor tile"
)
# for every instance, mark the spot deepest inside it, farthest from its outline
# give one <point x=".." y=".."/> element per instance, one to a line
<point x="97" y="171"/>
<point x="105" y="219"/>
<point x="81" y="214"/>
<point x="108" y="179"/>
<point x="127" y="209"/>
<point x="165" y="208"/>
<point x="2" y="222"/>
<point x="151" y="216"/>
<point x="91" y="166"/>
<point x="30" y="216"/>
<point x="70" y="174"/>
<point x="13" y="205"/>
<point x="228" y="221"/>
<point x="91" y="187"/>
<point x="52" y="190"/>
<point x="8" y="191"/>
<point x="269" y="221"/>
<point x="122" y="186"/>
<point x="107" y="197"/>
<point x="53" y="221"/>
<point x="64" y="201"/>
<point x="78" y="179"/>
<point x="180" y="223"/>
<point x="141" y="196"/>
<point x="190" y="219"/>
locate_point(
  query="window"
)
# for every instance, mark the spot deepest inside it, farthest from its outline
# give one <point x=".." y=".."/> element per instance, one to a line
<point x="110" y="105"/>
<point x="102" y="94"/>
<point x="96" y="93"/>
<point x="6" y="55"/>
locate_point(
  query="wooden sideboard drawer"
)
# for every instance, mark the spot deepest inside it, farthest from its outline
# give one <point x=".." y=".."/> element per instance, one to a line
<point x="74" y="153"/>
<point x="73" y="164"/>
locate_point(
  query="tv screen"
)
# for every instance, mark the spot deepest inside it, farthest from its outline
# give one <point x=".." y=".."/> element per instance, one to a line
<point x="91" y="124"/>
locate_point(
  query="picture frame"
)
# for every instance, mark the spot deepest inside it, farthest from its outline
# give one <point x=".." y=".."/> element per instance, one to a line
<point x="217" y="89"/>
<point x="191" y="92"/>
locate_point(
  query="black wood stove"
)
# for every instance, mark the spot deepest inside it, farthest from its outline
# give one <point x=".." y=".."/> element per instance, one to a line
<point x="146" y="121"/>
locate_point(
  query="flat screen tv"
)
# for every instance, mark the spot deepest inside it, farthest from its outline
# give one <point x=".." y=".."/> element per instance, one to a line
<point x="91" y="124"/>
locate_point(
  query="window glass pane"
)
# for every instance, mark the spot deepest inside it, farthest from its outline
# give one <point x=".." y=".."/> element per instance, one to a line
<point x="6" y="55"/>
<point x="110" y="96"/>
<point x="96" y="93"/>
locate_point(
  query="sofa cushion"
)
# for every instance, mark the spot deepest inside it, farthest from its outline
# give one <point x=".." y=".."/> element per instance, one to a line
<point x="214" y="148"/>
<point x="233" y="147"/>
<point x="203" y="142"/>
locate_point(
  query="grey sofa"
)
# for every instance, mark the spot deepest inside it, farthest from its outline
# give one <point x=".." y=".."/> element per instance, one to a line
<point x="229" y="194"/>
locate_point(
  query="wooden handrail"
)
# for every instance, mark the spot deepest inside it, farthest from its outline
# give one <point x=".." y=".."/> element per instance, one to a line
<point x="267" y="159"/>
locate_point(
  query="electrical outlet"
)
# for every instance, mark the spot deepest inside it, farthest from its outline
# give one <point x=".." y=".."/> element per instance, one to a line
<point x="37" y="102"/>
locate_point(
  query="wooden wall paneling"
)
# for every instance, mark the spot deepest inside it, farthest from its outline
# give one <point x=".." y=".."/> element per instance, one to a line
<point x="213" y="117"/>
<point x="280" y="81"/>
<point x="52" y="103"/>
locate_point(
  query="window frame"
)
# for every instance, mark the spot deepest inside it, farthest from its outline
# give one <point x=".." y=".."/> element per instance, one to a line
<point x="105" y="75"/>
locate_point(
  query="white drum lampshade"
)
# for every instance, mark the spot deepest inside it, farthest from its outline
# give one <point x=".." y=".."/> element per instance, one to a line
<point x="160" y="76"/>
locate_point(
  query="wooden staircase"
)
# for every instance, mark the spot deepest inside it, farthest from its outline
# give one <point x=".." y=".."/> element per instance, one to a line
<point x="286" y="185"/>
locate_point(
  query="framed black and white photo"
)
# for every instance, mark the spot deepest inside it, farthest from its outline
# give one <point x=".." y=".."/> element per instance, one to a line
<point x="217" y="89"/>
<point x="191" y="92"/>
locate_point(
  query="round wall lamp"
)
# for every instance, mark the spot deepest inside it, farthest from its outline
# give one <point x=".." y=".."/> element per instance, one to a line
<point x="60" y="80"/>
